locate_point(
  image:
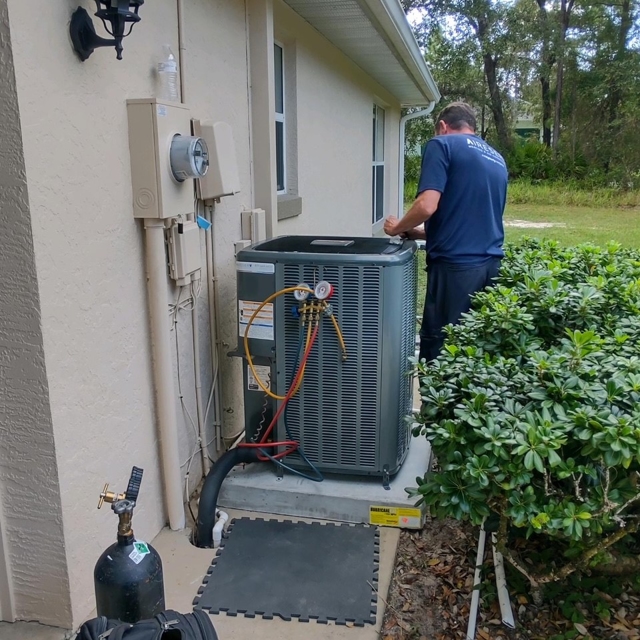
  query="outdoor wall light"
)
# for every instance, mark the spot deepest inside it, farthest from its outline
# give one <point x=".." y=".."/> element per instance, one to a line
<point x="115" y="16"/>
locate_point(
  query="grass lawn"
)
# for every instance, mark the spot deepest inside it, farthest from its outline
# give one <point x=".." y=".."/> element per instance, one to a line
<point x="575" y="225"/>
<point x="569" y="225"/>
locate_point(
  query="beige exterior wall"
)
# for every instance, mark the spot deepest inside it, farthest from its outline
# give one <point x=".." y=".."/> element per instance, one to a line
<point x="85" y="413"/>
<point x="89" y="252"/>
<point x="31" y="536"/>
<point x="334" y="105"/>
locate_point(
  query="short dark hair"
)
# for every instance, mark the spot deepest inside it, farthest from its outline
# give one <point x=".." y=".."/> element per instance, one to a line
<point x="458" y="115"/>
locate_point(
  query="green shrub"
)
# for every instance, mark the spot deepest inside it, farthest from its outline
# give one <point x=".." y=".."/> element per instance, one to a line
<point x="412" y="166"/>
<point x="532" y="160"/>
<point x="533" y="407"/>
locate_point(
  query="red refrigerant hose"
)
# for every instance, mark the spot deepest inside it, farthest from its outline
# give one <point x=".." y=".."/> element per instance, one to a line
<point x="291" y="445"/>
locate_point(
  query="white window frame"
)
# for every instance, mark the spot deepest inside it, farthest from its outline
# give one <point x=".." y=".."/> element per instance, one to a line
<point x="281" y="117"/>
<point x="376" y="162"/>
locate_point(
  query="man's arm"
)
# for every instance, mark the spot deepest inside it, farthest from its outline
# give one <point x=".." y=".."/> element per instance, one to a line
<point x="425" y="205"/>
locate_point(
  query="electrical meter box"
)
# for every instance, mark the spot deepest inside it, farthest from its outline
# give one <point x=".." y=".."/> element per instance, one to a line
<point x="349" y="415"/>
<point x="152" y="127"/>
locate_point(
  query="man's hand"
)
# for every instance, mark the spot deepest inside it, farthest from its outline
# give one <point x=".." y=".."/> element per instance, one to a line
<point x="390" y="226"/>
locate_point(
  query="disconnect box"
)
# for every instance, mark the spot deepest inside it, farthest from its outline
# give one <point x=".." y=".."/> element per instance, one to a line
<point x="184" y="251"/>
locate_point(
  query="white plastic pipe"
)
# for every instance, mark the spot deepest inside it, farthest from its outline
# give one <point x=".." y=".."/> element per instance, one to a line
<point x="218" y="528"/>
<point x="403" y="127"/>
<point x="501" y="585"/>
<point x="475" y="598"/>
<point x="163" y="370"/>
<point x="195" y="328"/>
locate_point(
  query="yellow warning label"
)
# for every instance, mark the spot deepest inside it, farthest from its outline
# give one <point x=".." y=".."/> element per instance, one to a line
<point x="407" y="518"/>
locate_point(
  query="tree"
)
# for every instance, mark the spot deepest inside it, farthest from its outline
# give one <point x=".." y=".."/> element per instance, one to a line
<point x="564" y="17"/>
<point x="478" y="26"/>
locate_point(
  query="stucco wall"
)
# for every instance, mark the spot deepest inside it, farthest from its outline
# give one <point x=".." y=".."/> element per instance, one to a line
<point x="89" y="252"/>
<point x="88" y="256"/>
<point x="334" y="134"/>
<point x="31" y="520"/>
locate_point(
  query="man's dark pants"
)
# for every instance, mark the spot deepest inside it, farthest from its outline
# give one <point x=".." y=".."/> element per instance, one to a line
<point x="449" y="291"/>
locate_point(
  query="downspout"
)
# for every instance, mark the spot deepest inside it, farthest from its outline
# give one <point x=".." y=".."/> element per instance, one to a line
<point x="403" y="127"/>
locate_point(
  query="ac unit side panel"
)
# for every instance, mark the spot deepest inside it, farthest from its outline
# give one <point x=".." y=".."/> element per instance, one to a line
<point x="409" y="288"/>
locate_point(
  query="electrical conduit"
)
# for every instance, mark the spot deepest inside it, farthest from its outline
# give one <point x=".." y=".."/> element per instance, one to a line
<point x="195" y="328"/>
<point x="163" y="370"/>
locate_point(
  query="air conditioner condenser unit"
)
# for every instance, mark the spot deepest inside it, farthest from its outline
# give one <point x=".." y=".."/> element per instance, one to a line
<point x="349" y="416"/>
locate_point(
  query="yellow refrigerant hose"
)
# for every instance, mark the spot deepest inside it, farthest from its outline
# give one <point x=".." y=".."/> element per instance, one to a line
<point x="312" y="307"/>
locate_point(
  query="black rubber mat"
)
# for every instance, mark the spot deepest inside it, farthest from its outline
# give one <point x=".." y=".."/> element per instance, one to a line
<point x="294" y="570"/>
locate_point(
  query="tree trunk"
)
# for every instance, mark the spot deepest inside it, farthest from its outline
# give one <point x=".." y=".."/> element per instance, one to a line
<point x="621" y="54"/>
<point x="547" y="61"/>
<point x="491" y="74"/>
<point x="490" y="71"/>
<point x="547" y="110"/>
<point x="565" y="17"/>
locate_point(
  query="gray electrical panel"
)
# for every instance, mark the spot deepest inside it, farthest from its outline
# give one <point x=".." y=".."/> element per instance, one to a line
<point x="349" y="416"/>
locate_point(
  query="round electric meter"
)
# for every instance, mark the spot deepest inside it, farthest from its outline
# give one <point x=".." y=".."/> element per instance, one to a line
<point x="323" y="290"/>
<point x="300" y="295"/>
<point x="189" y="157"/>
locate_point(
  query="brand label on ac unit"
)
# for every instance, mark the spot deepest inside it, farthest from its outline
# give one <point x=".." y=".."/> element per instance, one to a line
<point x="256" y="267"/>
<point x="406" y="518"/>
<point x="262" y="325"/>
<point x="263" y="372"/>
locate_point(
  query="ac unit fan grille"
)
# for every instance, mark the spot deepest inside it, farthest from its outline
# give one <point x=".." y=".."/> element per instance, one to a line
<point x="341" y="430"/>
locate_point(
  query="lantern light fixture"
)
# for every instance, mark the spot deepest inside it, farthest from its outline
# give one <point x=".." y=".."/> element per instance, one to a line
<point x="118" y="17"/>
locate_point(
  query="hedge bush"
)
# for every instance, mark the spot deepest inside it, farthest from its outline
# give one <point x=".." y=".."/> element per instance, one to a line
<point x="533" y="407"/>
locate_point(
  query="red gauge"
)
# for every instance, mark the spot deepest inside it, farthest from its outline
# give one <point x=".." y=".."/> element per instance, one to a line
<point x="324" y="290"/>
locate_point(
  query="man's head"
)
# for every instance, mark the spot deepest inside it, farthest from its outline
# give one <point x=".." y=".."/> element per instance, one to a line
<point x="458" y="117"/>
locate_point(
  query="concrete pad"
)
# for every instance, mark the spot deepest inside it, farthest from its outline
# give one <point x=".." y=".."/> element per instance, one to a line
<point x="31" y="631"/>
<point x="345" y="499"/>
<point x="185" y="566"/>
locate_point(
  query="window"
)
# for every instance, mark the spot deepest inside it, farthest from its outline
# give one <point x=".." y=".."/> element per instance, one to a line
<point x="281" y="165"/>
<point x="378" y="164"/>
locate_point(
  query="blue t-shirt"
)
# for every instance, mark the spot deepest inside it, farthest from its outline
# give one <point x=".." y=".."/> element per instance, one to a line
<point x="472" y="178"/>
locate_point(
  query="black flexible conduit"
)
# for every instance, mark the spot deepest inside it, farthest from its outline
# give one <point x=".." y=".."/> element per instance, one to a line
<point x="211" y="488"/>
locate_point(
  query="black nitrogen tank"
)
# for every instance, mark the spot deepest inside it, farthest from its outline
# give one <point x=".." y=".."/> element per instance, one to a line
<point x="128" y="577"/>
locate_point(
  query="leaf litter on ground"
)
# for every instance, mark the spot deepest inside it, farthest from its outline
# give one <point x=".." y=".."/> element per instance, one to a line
<point x="430" y="596"/>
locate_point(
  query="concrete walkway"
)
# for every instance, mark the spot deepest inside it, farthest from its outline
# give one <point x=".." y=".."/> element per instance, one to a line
<point x="30" y="631"/>
<point x="184" y="569"/>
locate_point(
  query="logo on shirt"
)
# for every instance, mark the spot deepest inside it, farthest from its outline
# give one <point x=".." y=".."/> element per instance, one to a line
<point x="488" y="152"/>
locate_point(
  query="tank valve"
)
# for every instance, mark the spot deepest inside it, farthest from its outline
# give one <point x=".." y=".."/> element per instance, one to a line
<point x="123" y="504"/>
<point x="124" y="510"/>
<point x="109" y="496"/>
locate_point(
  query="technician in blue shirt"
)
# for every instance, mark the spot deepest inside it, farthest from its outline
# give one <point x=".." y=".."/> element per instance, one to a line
<point x="458" y="211"/>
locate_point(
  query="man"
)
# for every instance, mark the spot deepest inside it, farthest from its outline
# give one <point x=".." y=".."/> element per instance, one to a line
<point x="458" y="211"/>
